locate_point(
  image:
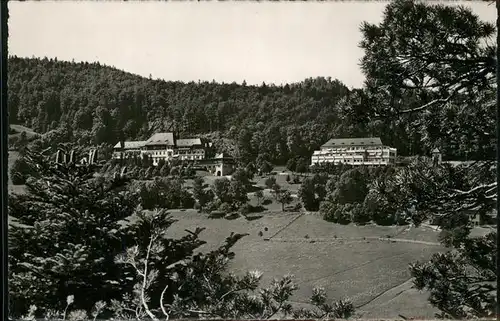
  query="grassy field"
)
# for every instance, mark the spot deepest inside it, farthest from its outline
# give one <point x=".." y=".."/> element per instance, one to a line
<point x="308" y="225"/>
<point x="18" y="129"/>
<point x="363" y="270"/>
<point x="368" y="264"/>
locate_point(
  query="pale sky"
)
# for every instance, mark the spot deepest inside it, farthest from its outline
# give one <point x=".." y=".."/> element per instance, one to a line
<point x="190" y="41"/>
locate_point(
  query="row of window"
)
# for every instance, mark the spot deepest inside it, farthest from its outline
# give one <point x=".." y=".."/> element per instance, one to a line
<point x="355" y="160"/>
<point x="351" y="155"/>
<point x="343" y="152"/>
<point x="336" y="157"/>
<point x="170" y="153"/>
<point x="357" y="148"/>
<point x="373" y="160"/>
<point x="157" y="159"/>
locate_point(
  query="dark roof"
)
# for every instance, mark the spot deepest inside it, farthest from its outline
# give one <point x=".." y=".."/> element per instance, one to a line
<point x="161" y="139"/>
<point x="188" y="142"/>
<point x="344" y="142"/>
<point x="131" y="144"/>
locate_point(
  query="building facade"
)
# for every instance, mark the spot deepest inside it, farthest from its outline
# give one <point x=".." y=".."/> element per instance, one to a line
<point x="128" y="149"/>
<point x="159" y="146"/>
<point x="221" y="165"/>
<point x="189" y="149"/>
<point x="163" y="146"/>
<point x="355" y="151"/>
<point x="437" y="157"/>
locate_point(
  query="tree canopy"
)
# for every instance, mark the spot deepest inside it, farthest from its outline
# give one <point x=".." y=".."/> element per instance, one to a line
<point x="433" y="66"/>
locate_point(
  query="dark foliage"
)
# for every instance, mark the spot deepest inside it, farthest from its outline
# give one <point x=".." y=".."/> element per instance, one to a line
<point x="19" y="172"/>
<point x="68" y="234"/>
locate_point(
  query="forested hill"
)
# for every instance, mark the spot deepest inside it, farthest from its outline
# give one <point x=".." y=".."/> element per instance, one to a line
<point x="98" y="104"/>
<point x="92" y="104"/>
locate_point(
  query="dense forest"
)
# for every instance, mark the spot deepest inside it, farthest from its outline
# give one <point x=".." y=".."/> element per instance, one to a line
<point x="92" y="104"/>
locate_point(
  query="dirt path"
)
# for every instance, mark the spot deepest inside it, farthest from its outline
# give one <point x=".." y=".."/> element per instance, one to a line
<point x="384" y="293"/>
<point x="350" y="268"/>
<point x="348" y="239"/>
<point x="286" y="226"/>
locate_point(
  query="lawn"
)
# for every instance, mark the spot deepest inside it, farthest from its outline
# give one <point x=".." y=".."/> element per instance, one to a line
<point x="19" y="129"/>
<point x="309" y="225"/>
<point x="361" y="270"/>
<point x="218" y="229"/>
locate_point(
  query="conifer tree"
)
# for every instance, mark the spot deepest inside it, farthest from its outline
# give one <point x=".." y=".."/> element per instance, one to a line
<point x="68" y="232"/>
<point x="436" y="63"/>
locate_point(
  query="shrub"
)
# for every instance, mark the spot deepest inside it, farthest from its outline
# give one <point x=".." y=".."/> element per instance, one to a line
<point x="295" y="208"/>
<point x="175" y="171"/>
<point x="313" y="191"/>
<point x="232" y="216"/>
<point x="164" y="193"/>
<point x="291" y="164"/>
<point x="359" y="215"/>
<point x="213" y="205"/>
<point x="343" y="214"/>
<point x="267" y="202"/>
<point x="352" y="187"/>
<point x="266" y="167"/>
<point x="155" y="172"/>
<point x="245" y="209"/>
<point x="260" y="196"/>
<point x="186" y="199"/>
<point x="216" y="214"/>
<point x="270" y="182"/>
<point x="226" y="208"/>
<point x="336" y="213"/>
<point x="302" y="165"/>
<point x="19" y="172"/>
<point x="327" y="210"/>
<point x="379" y="209"/>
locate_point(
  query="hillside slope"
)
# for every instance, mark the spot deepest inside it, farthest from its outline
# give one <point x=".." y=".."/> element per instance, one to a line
<point x="100" y="104"/>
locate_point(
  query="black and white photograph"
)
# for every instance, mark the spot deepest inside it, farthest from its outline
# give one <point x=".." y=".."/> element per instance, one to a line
<point x="252" y="160"/>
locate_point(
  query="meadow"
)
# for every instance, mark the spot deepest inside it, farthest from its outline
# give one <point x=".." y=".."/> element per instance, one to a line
<point x="372" y="272"/>
<point x="368" y="264"/>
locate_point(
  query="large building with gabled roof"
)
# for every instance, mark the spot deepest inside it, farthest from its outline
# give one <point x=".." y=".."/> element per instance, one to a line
<point x="163" y="146"/>
<point x="355" y="151"/>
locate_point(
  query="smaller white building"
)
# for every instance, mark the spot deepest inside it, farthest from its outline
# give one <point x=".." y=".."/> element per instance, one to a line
<point x="356" y="152"/>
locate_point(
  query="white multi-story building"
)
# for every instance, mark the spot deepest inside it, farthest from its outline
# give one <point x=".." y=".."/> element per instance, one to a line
<point x="160" y="146"/>
<point x="355" y="151"/>
<point x="163" y="146"/>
